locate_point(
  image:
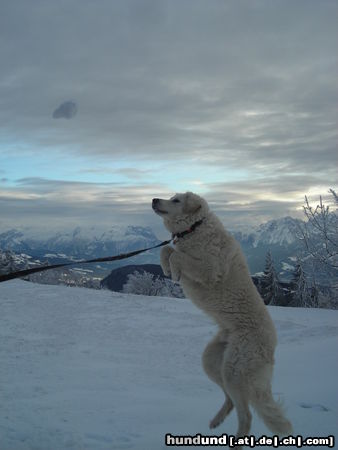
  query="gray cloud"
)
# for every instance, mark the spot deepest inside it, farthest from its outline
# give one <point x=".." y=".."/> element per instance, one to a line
<point x="247" y="85"/>
<point x="39" y="202"/>
<point x="128" y="172"/>
<point x="66" y="110"/>
<point x="169" y="79"/>
<point x="57" y="203"/>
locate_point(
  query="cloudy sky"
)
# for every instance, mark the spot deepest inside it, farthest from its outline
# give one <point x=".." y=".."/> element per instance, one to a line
<point x="107" y="104"/>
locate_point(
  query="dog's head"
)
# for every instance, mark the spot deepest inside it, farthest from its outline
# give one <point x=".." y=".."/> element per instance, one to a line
<point x="181" y="210"/>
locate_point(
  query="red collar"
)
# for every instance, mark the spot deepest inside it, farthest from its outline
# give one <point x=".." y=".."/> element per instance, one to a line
<point x="177" y="236"/>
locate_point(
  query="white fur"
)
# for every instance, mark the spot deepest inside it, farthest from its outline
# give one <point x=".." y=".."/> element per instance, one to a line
<point x="212" y="270"/>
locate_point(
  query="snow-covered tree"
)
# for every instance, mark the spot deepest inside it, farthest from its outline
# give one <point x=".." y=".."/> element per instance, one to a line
<point x="320" y="233"/>
<point x="314" y="295"/>
<point x="145" y="283"/>
<point x="142" y="283"/>
<point x="320" y="237"/>
<point x="172" y="289"/>
<point x="7" y="262"/>
<point x="328" y="299"/>
<point x="270" y="282"/>
<point x="299" y="286"/>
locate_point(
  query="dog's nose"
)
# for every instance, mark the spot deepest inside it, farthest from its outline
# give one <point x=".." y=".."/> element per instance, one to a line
<point x="155" y="201"/>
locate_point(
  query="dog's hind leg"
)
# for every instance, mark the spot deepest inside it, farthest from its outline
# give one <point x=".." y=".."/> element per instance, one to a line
<point x="241" y="403"/>
<point x="236" y="385"/>
<point x="212" y="359"/>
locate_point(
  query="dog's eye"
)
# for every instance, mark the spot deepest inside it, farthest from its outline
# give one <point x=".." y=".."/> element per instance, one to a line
<point x="176" y="200"/>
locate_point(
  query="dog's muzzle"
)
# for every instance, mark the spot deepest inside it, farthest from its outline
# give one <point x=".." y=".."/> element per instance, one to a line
<point x="155" y="206"/>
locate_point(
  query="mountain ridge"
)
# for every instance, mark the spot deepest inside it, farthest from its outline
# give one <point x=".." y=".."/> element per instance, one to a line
<point x="80" y="242"/>
<point x="279" y="236"/>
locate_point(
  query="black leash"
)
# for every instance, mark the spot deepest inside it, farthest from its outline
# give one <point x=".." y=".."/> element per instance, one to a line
<point x="23" y="273"/>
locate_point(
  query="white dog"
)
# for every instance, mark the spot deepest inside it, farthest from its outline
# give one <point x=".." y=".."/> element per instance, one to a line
<point x="213" y="272"/>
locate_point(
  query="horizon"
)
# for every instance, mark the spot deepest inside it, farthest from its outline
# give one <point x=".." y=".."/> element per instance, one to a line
<point x="105" y="106"/>
<point x="158" y="229"/>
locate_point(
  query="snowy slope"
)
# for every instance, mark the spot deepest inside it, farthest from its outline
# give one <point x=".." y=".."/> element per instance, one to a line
<point x="86" y="370"/>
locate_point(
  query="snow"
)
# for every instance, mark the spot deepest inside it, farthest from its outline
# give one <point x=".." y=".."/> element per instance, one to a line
<point x="287" y="267"/>
<point x="83" y="369"/>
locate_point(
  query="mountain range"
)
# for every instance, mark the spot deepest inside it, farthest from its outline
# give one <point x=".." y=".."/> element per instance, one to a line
<point x="280" y="237"/>
<point x="78" y="243"/>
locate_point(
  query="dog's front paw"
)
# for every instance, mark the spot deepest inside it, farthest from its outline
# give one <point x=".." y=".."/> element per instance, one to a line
<point x="164" y="258"/>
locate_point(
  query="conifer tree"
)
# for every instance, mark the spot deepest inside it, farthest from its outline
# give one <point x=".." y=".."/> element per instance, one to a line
<point x="314" y="295"/>
<point x="300" y="286"/>
<point x="271" y="288"/>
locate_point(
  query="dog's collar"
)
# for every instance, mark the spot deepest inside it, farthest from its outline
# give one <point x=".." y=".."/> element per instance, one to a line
<point x="177" y="236"/>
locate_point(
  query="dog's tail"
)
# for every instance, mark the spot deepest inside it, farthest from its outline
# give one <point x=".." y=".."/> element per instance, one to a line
<point x="270" y="410"/>
<point x="272" y="415"/>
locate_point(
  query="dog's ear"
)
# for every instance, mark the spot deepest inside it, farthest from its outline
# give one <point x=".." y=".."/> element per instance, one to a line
<point x="192" y="203"/>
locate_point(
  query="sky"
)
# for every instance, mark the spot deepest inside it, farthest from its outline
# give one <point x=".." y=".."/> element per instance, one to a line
<point x="107" y="104"/>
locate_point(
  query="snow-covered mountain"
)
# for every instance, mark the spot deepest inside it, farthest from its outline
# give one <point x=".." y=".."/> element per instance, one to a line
<point x="84" y="369"/>
<point x="94" y="241"/>
<point x="81" y="242"/>
<point x="280" y="237"/>
<point x="284" y="231"/>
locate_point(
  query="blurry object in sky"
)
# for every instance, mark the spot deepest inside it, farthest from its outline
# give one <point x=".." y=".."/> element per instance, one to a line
<point x="66" y="110"/>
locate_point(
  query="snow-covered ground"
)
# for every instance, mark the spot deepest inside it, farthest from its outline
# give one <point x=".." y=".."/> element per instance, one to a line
<point x="83" y="369"/>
